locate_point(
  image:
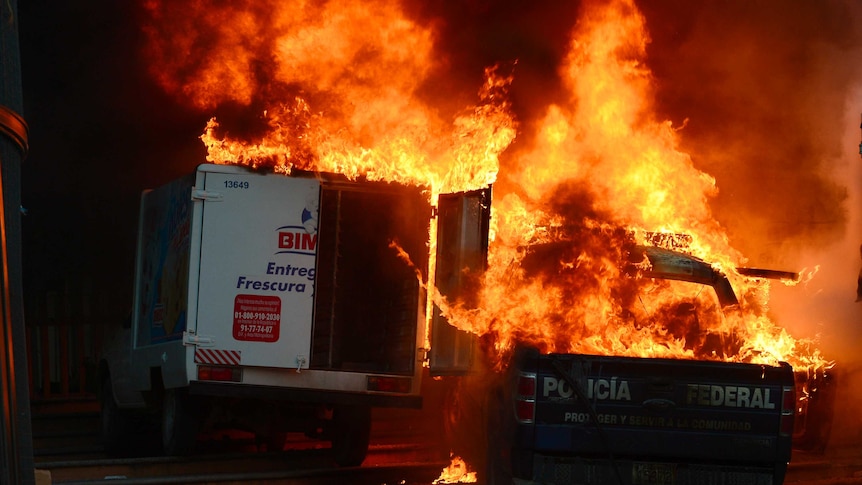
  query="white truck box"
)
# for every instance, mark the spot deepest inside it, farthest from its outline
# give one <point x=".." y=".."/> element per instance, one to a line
<point x="278" y="303"/>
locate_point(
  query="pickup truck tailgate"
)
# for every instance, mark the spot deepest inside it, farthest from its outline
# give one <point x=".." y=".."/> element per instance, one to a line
<point x="637" y="410"/>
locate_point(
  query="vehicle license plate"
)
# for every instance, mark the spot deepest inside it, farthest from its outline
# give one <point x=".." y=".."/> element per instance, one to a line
<point x="653" y="473"/>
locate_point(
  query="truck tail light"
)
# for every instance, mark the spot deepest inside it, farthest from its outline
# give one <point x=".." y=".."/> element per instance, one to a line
<point x="389" y="384"/>
<point x="788" y="409"/>
<point x="219" y="373"/>
<point x="525" y="398"/>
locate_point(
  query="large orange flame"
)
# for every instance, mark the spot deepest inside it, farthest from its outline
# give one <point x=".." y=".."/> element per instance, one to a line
<point x="337" y="86"/>
<point x="602" y="162"/>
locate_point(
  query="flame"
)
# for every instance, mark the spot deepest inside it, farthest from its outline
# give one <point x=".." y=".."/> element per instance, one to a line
<point x="417" y="153"/>
<point x="341" y="86"/>
<point x="601" y="173"/>
<point x="338" y="86"/>
<point x="456" y="472"/>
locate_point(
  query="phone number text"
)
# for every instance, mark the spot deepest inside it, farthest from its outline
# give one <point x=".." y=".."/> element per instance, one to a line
<point x="269" y="317"/>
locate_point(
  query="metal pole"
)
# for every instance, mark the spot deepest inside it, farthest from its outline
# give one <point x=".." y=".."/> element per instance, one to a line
<point x="16" y="457"/>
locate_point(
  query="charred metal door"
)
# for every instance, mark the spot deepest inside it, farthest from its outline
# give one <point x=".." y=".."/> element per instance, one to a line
<point x="462" y="249"/>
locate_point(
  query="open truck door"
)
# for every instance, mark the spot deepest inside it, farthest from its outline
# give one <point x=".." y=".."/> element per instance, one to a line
<point x="462" y="248"/>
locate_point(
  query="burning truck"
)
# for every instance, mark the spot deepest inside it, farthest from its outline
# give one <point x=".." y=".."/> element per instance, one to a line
<point x="299" y="317"/>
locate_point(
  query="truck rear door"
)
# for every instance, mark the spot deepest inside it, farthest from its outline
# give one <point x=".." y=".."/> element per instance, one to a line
<point x="462" y="248"/>
<point x="257" y="267"/>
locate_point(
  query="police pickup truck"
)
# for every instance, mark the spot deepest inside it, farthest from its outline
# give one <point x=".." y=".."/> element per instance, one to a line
<point x="593" y="419"/>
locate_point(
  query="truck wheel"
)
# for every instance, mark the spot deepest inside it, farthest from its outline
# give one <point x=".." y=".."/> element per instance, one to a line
<point x="180" y="422"/>
<point x="351" y="432"/>
<point x="118" y="425"/>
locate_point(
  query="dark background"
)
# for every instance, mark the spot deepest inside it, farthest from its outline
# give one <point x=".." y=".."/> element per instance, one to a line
<point x="100" y="132"/>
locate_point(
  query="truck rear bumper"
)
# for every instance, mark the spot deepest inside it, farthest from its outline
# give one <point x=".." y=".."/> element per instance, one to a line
<point x="569" y="470"/>
<point x="223" y="389"/>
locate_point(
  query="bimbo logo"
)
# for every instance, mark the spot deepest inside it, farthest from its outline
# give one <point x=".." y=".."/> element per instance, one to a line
<point x="295" y="240"/>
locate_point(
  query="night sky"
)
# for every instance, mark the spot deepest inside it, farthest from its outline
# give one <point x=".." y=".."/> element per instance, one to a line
<point x="761" y="88"/>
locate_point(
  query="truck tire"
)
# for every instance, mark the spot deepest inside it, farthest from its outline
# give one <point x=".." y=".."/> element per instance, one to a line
<point x="180" y="422"/>
<point x="118" y="425"/>
<point x="351" y="432"/>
